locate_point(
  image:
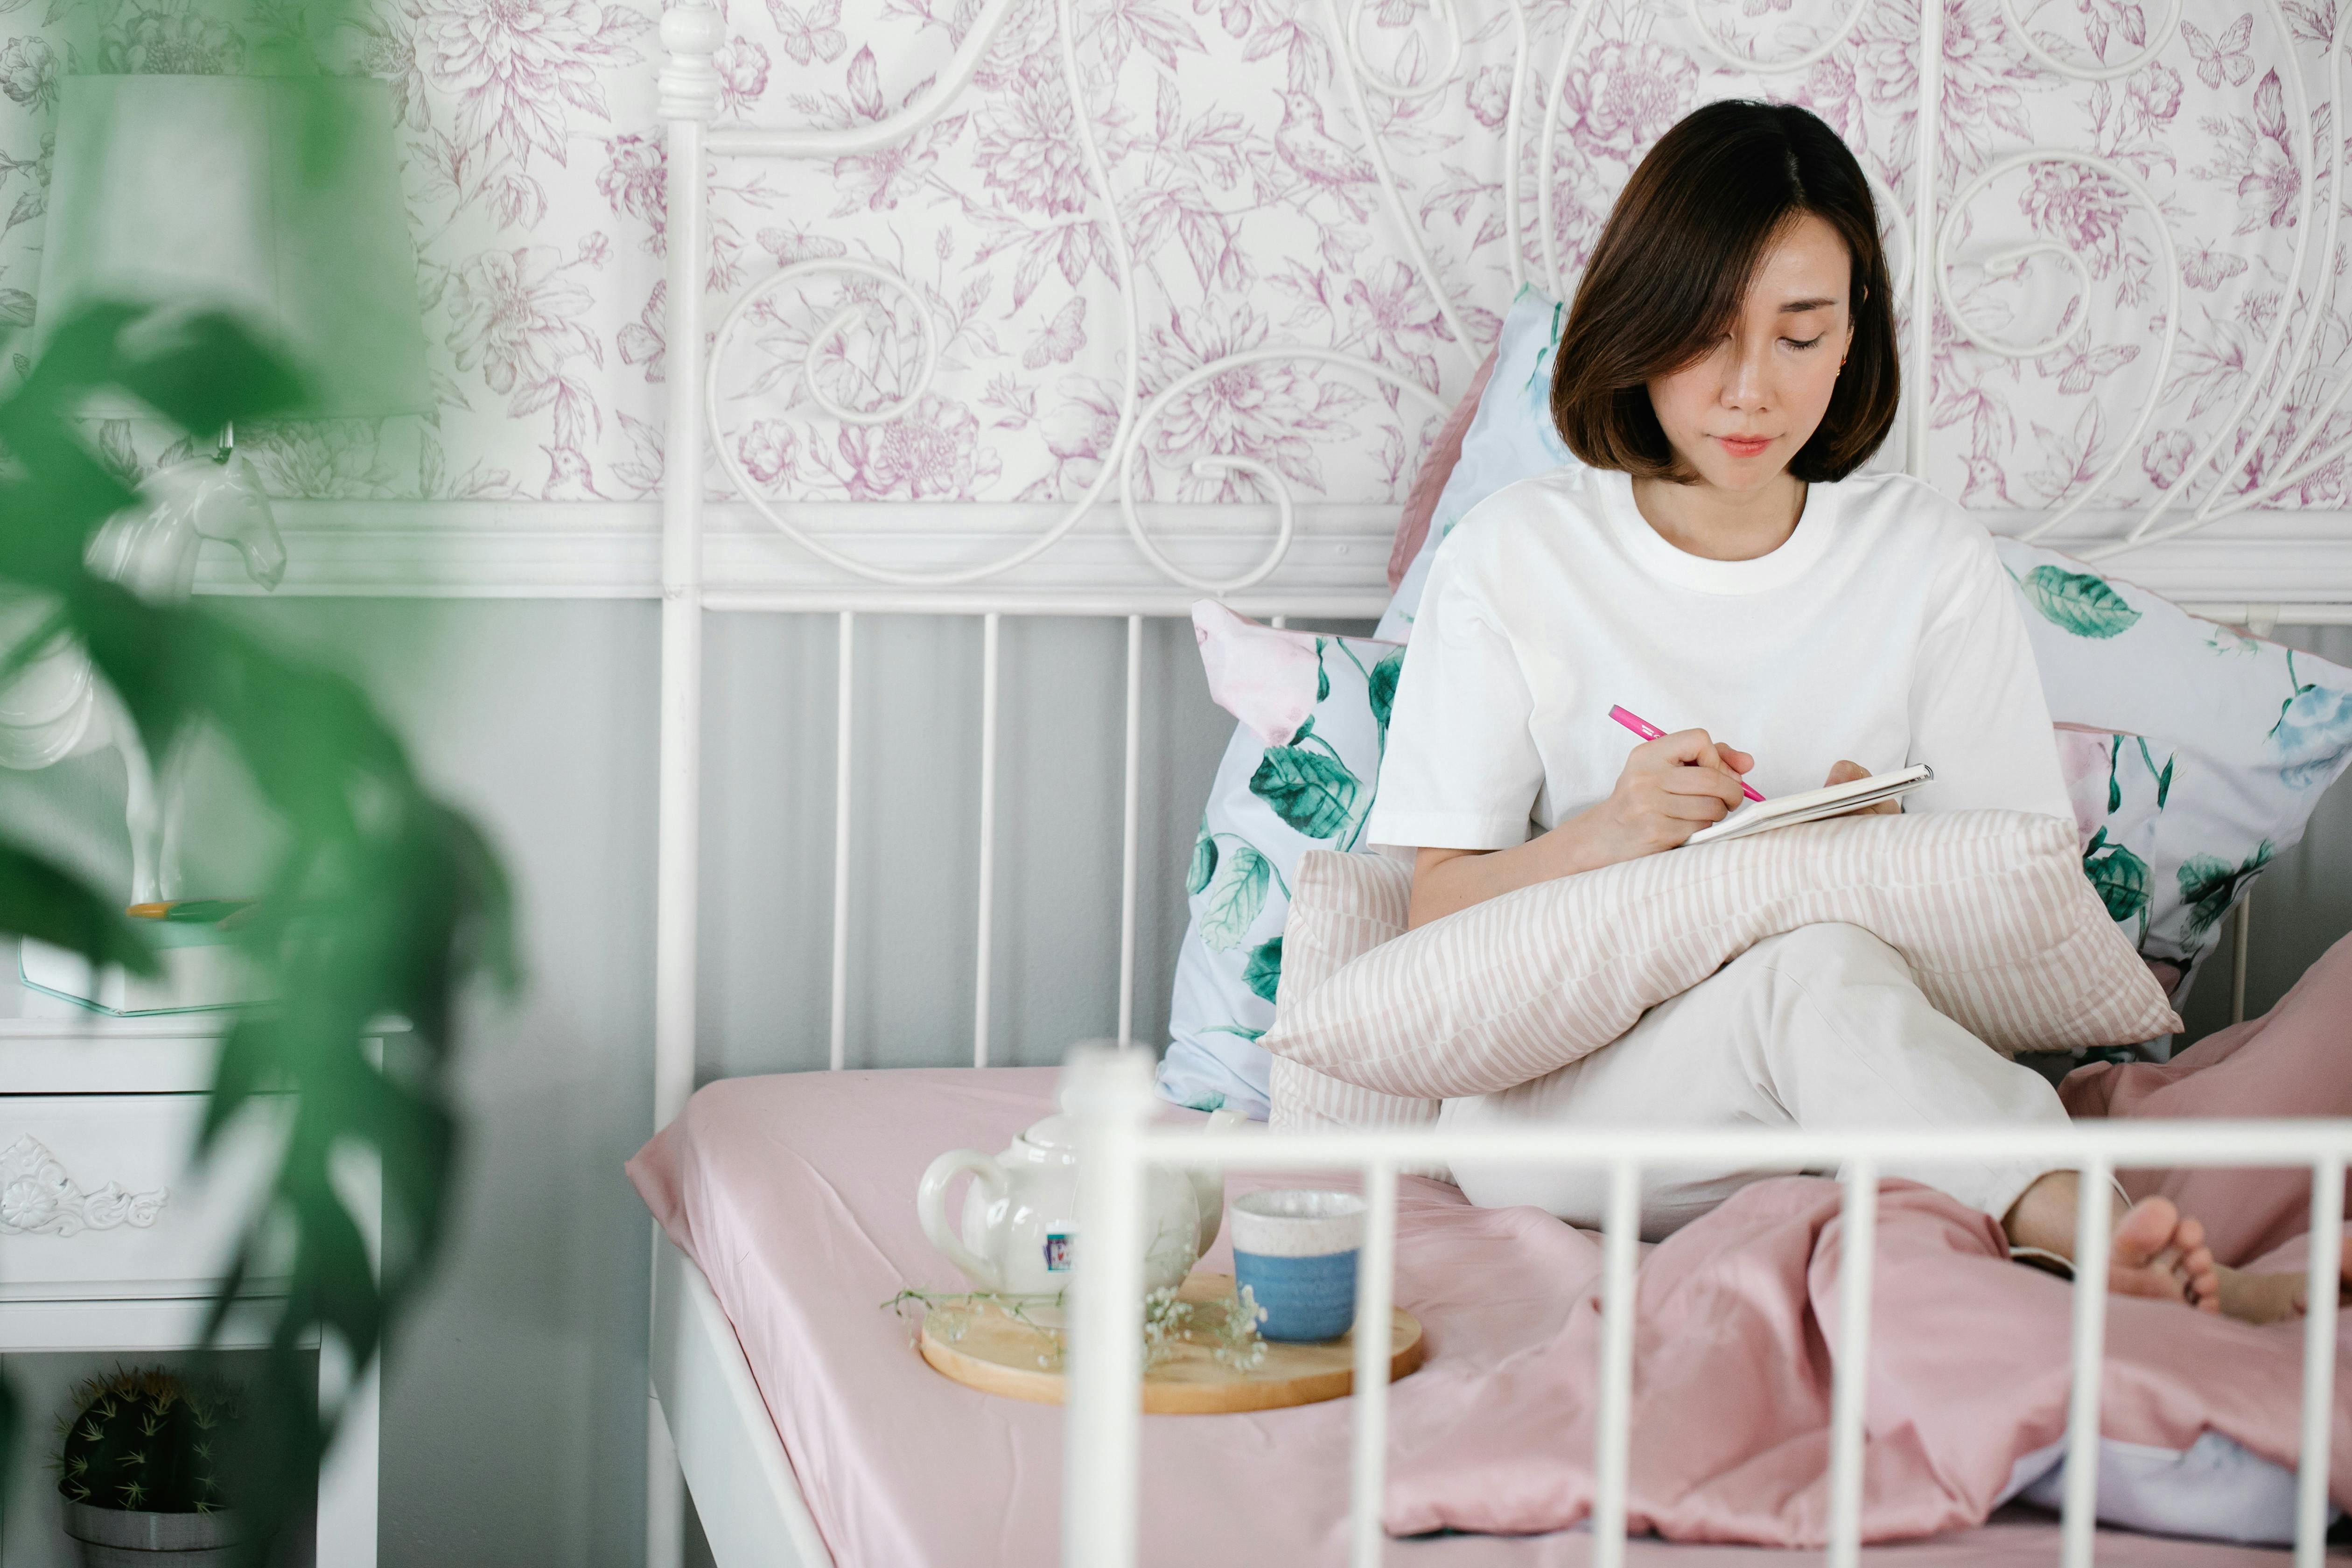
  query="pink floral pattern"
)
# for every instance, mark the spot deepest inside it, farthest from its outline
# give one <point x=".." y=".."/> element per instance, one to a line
<point x="1244" y="186"/>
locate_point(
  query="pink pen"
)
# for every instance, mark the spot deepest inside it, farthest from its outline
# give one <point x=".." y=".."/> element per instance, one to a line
<point x="1649" y="732"/>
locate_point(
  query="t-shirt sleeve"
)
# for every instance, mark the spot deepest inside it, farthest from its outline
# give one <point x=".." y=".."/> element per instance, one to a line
<point x="1461" y="770"/>
<point x="1977" y="715"/>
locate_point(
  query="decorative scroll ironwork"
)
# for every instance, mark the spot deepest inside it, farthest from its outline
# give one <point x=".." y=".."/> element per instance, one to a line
<point x="2288" y="351"/>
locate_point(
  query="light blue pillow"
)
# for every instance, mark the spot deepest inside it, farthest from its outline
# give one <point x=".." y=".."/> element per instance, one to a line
<point x="1298" y="776"/>
<point x="1511" y="438"/>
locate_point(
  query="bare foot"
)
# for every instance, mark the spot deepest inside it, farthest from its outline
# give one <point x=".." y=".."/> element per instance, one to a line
<point x="2267" y="1298"/>
<point x="2156" y="1252"/>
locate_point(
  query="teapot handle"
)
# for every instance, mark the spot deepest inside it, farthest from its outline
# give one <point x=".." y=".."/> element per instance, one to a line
<point x="932" y="1208"/>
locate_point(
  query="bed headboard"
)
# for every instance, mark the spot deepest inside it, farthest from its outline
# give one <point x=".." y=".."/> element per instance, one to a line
<point x="1095" y="306"/>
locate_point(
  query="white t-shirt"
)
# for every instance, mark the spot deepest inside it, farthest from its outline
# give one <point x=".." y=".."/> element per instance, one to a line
<point x="1883" y="630"/>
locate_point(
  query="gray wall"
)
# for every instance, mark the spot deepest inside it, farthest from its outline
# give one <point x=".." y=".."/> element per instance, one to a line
<point x="514" y="1409"/>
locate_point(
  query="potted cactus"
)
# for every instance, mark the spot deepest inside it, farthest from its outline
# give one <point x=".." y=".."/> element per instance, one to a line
<point x="135" y="1467"/>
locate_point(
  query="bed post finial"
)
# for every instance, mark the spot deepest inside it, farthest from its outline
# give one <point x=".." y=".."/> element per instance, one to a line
<point x="691" y="33"/>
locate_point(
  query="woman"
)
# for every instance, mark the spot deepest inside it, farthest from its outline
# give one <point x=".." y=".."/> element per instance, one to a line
<point x="1729" y="361"/>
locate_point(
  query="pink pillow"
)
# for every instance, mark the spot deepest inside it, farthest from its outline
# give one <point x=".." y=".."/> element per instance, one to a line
<point x="1428" y="483"/>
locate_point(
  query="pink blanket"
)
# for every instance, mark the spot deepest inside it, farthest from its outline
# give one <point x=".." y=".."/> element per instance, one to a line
<point x="1969" y="1360"/>
<point x="794" y="1195"/>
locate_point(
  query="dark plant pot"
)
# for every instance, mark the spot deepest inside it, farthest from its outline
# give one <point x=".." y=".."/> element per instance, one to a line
<point x="128" y="1538"/>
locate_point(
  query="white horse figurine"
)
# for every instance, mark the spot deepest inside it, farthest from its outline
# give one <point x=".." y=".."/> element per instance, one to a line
<point x="55" y="707"/>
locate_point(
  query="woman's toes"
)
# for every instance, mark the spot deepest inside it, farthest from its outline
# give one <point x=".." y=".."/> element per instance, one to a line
<point x="2204" y="1279"/>
<point x="2145" y="1231"/>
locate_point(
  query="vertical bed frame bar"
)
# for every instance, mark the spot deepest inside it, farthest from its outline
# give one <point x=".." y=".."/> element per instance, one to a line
<point x="2320" y="1361"/>
<point x="689" y="92"/>
<point x="1621" y="1231"/>
<point x="990" y="627"/>
<point x="1850" y="1379"/>
<point x="845" y="717"/>
<point x="1131" y="829"/>
<point x="2080" y="1520"/>
<point x="1375" y="1288"/>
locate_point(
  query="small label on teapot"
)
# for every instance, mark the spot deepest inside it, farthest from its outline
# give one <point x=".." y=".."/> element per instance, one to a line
<point x="1058" y="1251"/>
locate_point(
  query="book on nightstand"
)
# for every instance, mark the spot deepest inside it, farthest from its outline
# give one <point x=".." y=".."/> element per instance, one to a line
<point x="203" y="971"/>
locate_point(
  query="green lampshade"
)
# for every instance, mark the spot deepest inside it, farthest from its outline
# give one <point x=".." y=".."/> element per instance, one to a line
<point x="278" y="197"/>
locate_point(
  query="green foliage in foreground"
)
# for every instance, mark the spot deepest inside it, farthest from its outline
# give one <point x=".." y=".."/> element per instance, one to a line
<point x="383" y="900"/>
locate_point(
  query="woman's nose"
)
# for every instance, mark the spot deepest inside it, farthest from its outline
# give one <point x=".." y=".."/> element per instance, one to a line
<point x="1743" y="380"/>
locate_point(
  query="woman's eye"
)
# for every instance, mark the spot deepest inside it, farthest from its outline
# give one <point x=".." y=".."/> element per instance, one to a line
<point x="1802" y="343"/>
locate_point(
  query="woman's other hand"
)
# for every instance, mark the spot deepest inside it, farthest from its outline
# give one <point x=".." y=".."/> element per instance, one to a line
<point x="1846" y="773"/>
<point x="1670" y="788"/>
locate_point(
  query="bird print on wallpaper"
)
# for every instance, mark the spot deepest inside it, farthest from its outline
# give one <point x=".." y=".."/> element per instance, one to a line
<point x="1324" y="163"/>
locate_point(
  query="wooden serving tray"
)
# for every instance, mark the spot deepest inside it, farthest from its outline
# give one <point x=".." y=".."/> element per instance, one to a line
<point x="980" y="1345"/>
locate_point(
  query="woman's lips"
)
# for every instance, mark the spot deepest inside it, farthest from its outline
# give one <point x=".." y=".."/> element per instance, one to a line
<point x="1745" y="445"/>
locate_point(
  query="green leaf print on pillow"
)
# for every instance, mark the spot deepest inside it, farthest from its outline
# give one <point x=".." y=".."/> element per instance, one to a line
<point x="1204" y="861"/>
<point x="2163" y="779"/>
<point x="1263" y="973"/>
<point x="2208" y="887"/>
<point x="1382" y="684"/>
<point x="1309" y="787"/>
<point x="2077" y="602"/>
<point x="2120" y="879"/>
<point x="1236" y="894"/>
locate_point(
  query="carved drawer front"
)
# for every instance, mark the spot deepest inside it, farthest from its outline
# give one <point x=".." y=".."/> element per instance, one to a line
<point x="98" y="1201"/>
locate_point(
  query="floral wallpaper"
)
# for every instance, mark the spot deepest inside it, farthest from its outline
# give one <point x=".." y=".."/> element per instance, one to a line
<point x="1243" y="184"/>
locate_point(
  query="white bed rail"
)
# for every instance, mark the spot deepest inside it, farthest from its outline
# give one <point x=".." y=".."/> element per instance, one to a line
<point x="1110" y="1095"/>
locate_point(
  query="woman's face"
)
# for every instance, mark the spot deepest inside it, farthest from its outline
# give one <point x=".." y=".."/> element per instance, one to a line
<point x="1739" y="415"/>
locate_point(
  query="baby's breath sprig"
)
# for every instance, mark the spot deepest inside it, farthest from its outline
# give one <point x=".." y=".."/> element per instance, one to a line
<point x="1228" y="1327"/>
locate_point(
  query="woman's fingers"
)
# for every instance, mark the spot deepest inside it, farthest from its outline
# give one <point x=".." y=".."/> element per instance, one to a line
<point x="1738" y="762"/>
<point x="1683" y="748"/>
<point x="1843" y="772"/>
<point x="1699" y="810"/>
<point x="1717" y="783"/>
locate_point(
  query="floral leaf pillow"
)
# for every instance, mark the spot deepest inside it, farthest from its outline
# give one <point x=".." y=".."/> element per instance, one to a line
<point x="1298" y="776"/>
<point x="2193" y="755"/>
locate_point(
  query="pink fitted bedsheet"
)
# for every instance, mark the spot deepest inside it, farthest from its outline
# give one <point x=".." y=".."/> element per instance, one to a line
<point x="795" y="1194"/>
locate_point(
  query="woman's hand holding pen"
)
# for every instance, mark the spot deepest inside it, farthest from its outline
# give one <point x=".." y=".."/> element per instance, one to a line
<point x="1670" y="788"/>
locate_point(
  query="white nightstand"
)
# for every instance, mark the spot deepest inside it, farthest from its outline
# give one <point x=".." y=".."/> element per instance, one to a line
<point x="108" y="1243"/>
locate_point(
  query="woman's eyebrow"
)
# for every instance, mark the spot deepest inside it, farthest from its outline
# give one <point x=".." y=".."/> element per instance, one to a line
<point x="1792" y="307"/>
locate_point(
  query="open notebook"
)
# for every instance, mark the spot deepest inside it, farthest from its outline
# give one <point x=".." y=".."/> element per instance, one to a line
<point x="1787" y="810"/>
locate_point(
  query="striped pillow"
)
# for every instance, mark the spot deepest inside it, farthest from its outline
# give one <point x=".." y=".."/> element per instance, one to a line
<point x="1341" y="907"/>
<point x="1989" y="908"/>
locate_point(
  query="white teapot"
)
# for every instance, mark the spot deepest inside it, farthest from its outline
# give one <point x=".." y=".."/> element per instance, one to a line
<point x="1020" y="1219"/>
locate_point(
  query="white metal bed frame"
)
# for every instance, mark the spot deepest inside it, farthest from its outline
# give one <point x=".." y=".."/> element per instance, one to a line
<point x="704" y="1395"/>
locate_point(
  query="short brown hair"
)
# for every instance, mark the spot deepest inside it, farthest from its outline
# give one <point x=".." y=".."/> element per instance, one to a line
<point x="1667" y="279"/>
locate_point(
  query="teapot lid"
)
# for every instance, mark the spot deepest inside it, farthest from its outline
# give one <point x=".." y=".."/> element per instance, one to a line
<point x="1058" y="1131"/>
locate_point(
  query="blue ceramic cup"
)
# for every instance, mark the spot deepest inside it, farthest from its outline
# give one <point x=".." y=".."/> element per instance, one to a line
<point x="1295" y="1252"/>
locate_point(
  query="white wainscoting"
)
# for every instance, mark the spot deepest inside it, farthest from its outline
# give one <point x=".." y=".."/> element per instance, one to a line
<point x="593" y="549"/>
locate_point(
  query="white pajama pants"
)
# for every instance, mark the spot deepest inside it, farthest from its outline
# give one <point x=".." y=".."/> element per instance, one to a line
<point x="1822" y="1026"/>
